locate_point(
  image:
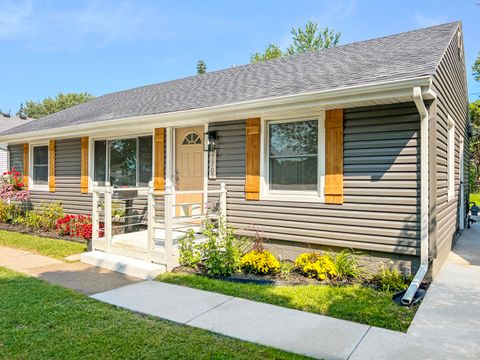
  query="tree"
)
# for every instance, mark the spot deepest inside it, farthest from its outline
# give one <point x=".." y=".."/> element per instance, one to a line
<point x="303" y="40"/>
<point x="475" y="145"/>
<point x="312" y="39"/>
<point x="476" y="68"/>
<point x="272" y="51"/>
<point x="47" y="106"/>
<point x="201" y="67"/>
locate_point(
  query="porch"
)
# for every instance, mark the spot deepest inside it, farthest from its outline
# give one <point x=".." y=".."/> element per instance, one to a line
<point x="150" y="223"/>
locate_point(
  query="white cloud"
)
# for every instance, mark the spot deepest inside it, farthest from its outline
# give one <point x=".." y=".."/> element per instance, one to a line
<point x="95" y="24"/>
<point x="426" y="21"/>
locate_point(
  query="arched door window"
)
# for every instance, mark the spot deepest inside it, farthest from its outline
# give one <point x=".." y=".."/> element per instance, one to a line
<point x="192" y="138"/>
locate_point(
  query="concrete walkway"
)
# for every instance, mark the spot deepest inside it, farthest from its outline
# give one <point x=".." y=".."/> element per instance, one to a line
<point x="77" y="276"/>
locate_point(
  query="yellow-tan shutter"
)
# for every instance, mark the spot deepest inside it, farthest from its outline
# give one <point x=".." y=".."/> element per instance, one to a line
<point x="334" y="156"/>
<point x="26" y="148"/>
<point x="159" y="166"/>
<point x="84" y="165"/>
<point x="252" y="177"/>
<point x="51" y="166"/>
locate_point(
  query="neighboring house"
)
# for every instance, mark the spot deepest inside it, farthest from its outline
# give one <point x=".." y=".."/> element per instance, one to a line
<point x="7" y="122"/>
<point x="362" y="146"/>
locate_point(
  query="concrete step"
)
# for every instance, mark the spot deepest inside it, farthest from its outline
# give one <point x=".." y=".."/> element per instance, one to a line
<point x="122" y="264"/>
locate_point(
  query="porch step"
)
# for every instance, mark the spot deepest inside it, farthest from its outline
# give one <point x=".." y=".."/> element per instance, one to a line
<point x="122" y="264"/>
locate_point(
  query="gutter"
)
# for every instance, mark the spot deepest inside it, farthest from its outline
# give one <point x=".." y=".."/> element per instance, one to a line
<point x="424" y="218"/>
<point x="325" y="99"/>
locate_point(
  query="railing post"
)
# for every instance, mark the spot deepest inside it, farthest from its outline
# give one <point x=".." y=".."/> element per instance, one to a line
<point x="168" y="211"/>
<point x="222" y="211"/>
<point x="95" y="216"/>
<point x="151" y="219"/>
<point x="108" y="216"/>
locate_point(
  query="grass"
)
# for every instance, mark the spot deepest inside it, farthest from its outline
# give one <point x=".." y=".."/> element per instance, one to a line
<point x="43" y="321"/>
<point x="475" y="198"/>
<point x="55" y="248"/>
<point x="354" y="302"/>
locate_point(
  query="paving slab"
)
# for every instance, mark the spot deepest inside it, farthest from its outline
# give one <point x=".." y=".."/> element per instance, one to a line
<point x="287" y="329"/>
<point x="167" y="301"/>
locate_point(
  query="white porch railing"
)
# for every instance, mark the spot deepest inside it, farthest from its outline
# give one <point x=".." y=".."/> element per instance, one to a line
<point x="152" y="221"/>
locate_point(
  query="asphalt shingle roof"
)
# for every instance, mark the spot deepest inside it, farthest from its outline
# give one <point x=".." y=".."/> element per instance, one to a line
<point x="396" y="57"/>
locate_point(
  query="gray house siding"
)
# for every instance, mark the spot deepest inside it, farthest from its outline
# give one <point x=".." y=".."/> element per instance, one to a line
<point x="449" y="83"/>
<point x="381" y="184"/>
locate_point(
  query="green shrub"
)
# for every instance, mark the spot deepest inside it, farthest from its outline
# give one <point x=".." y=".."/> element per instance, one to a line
<point x="286" y="267"/>
<point x="390" y="280"/>
<point x="44" y="216"/>
<point x="316" y="265"/>
<point x="189" y="251"/>
<point x="9" y="212"/>
<point x="346" y="265"/>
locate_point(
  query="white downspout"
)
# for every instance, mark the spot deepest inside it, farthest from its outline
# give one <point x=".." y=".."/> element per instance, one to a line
<point x="417" y="280"/>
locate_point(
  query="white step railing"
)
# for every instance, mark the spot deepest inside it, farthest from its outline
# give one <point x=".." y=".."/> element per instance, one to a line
<point x="102" y="232"/>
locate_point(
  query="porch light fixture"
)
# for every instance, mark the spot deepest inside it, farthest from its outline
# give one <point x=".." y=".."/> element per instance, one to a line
<point x="210" y="140"/>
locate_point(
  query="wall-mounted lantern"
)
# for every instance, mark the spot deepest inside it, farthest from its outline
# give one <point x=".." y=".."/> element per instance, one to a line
<point x="210" y="140"/>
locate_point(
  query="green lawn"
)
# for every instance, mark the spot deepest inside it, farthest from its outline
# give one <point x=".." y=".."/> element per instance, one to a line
<point x="355" y="302"/>
<point x="42" y="321"/>
<point x="475" y="198"/>
<point x="54" y="248"/>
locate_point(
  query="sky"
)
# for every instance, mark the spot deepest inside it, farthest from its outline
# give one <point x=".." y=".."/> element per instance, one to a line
<point x="102" y="46"/>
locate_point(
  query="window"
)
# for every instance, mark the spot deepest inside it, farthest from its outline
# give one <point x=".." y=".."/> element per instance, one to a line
<point x="451" y="158"/>
<point x="40" y="165"/>
<point x="123" y="162"/>
<point x="191" y="138"/>
<point x="293" y="164"/>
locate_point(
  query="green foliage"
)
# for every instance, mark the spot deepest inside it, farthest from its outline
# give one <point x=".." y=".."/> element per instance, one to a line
<point x="260" y="262"/>
<point x="316" y="265"/>
<point x="474" y="174"/>
<point x="346" y="265"/>
<point x="50" y="105"/>
<point x="201" y="67"/>
<point x="390" y="280"/>
<point x="9" y="212"/>
<point x="310" y="38"/>
<point x="44" y="216"/>
<point x="218" y="255"/>
<point x="189" y="252"/>
<point x="286" y="267"/>
<point x="350" y="302"/>
<point x="272" y="51"/>
<point x="476" y="68"/>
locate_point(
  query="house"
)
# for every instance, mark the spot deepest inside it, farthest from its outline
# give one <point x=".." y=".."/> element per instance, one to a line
<point x="362" y="146"/>
<point x="7" y="122"/>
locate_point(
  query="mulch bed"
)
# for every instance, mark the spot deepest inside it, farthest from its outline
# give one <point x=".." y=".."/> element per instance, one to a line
<point x="51" y="234"/>
<point x="278" y="279"/>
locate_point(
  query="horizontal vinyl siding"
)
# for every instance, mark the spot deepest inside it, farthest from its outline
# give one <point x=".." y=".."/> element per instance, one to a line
<point x="381" y="185"/>
<point x="449" y="84"/>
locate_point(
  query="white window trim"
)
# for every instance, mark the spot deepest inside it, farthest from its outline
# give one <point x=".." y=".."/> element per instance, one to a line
<point x="91" y="155"/>
<point x="297" y="196"/>
<point x="450" y="158"/>
<point x="31" y="184"/>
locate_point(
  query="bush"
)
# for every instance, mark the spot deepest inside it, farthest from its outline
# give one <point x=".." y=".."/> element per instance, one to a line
<point x="44" y="216"/>
<point x="75" y="226"/>
<point x="346" y="265"/>
<point x="315" y="265"/>
<point x="260" y="262"/>
<point x="12" y="186"/>
<point x="9" y="212"/>
<point x="219" y="255"/>
<point x="390" y="280"/>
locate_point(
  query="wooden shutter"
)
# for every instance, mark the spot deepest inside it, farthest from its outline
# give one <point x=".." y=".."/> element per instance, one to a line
<point x="159" y="167"/>
<point x="51" y="166"/>
<point x="334" y="156"/>
<point x="84" y="165"/>
<point x="252" y="178"/>
<point x="26" y="148"/>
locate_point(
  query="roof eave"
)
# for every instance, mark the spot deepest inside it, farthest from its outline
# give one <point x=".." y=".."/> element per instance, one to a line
<point x="341" y="97"/>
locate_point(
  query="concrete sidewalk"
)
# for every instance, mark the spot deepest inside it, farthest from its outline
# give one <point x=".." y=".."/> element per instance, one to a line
<point x="77" y="276"/>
